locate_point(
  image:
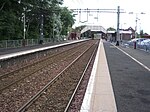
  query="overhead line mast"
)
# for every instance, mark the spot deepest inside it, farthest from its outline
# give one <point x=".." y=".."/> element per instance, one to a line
<point x="118" y="11"/>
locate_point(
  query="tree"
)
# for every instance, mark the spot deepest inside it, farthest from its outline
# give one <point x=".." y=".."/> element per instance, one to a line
<point x="66" y="19"/>
<point x="111" y="29"/>
<point x="141" y="33"/>
<point x="10" y="23"/>
<point x="13" y="12"/>
<point x="79" y="28"/>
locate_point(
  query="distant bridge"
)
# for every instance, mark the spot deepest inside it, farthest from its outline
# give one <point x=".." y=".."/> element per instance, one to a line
<point x="90" y="30"/>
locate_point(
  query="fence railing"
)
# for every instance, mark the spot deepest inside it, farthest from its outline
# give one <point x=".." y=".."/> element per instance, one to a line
<point x="26" y="42"/>
<point x="136" y="46"/>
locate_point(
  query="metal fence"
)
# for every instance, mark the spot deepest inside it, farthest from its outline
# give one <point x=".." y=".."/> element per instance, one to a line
<point x="17" y="43"/>
<point x="145" y="47"/>
<point x="26" y="42"/>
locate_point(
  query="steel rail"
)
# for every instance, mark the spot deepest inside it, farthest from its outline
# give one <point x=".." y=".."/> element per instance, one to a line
<point x="12" y="83"/>
<point x="38" y="61"/>
<point x="68" y="105"/>
<point x="35" y="97"/>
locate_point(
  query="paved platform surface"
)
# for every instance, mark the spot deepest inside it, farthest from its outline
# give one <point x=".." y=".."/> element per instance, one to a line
<point x="119" y="82"/>
<point x="99" y="96"/>
<point x="130" y="78"/>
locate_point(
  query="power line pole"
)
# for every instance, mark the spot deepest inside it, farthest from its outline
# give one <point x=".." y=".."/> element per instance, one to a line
<point x="118" y="11"/>
<point x="118" y="22"/>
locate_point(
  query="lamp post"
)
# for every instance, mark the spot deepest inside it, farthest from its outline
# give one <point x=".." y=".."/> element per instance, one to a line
<point x="136" y="20"/>
<point x="24" y="27"/>
<point x="41" y="30"/>
<point x="24" y="24"/>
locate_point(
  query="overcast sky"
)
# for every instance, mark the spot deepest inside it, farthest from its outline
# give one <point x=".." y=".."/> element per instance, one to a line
<point x="110" y="19"/>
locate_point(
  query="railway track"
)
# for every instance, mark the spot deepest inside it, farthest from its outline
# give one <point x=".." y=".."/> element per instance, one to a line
<point x="11" y="78"/>
<point x="13" y="97"/>
<point x="17" y="63"/>
<point x="57" y="95"/>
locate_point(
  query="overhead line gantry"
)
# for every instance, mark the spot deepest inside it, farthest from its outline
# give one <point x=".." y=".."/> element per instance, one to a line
<point x="87" y="10"/>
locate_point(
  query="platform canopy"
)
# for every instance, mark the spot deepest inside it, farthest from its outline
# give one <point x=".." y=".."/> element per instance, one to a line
<point x="94" y="28"/>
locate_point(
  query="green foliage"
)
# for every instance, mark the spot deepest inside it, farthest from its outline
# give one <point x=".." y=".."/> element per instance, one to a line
<point x="67" y="20"/>
<point x="141" y="32"/>
<point x="79" y="28"/>
<point x="111" y="29"/>
<point x="12" y="18"/>
<point x="10" y="27"/>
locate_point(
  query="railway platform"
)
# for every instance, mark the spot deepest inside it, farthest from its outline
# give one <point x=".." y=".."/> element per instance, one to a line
<point x="119" y="81"/>
<point x="14" y="52"/>
<point x="99" y="96"/>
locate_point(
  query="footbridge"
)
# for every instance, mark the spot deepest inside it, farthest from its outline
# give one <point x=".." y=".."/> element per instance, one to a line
<point x="92" y="31"/>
